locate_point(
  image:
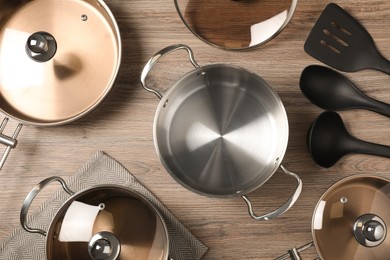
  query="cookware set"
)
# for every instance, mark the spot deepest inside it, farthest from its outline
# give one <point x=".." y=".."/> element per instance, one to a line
<point x="340" y="41"/>
<point x="220" y="131"/>
<point x="350" y="219"/>
<point x="328" y="139"/>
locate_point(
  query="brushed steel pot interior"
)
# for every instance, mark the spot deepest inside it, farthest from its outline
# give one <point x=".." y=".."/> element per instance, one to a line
<point x="221" y="131"/>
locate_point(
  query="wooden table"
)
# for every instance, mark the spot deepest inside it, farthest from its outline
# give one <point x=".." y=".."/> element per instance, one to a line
<point x="122" y="127"/>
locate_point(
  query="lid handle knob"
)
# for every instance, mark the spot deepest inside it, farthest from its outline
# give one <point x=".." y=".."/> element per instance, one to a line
<point x="374" y="230"/>
<point x="370" y="230"/>
<point x="104" y="246"/>
<point x="41" y="46"/>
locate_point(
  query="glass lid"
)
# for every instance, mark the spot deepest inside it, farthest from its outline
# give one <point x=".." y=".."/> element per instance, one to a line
<point x="107" y="223"/>
<point x="236" y="24"/>
<point x="58" y="58"/>
<point x="351" y="220"/>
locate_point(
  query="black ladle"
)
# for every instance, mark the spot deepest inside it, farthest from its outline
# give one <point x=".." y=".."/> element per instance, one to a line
<point x="331" y="90"/>
<point x="328" y="140"/>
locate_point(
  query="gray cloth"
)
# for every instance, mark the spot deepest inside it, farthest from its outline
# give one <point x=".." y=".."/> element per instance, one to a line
<point x="101" y="169"/>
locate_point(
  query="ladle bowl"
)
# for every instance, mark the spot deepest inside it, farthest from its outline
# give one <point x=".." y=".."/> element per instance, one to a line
<point x="328" y="141"/>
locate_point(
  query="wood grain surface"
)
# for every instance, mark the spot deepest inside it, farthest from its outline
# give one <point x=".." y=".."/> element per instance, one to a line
<point x="122" y="127"/>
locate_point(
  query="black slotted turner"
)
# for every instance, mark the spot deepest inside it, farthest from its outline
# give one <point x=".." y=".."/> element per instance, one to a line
<point x="340" y="41"/>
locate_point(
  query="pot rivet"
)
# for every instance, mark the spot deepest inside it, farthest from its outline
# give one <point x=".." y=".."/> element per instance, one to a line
<point x="276" y="160"/>
<point x="166" y="103"/>
<point x="344" y="200"/>
<point x="84" y="17"/>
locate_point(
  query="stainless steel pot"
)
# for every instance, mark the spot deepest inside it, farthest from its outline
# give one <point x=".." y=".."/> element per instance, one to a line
<point x="221" y="131"/>
<point x="105" y="222"/>
<point x="351" y="220"/>
<point x="58" y="60"/>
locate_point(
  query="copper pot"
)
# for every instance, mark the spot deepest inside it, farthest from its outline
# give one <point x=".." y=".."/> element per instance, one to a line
<point x="237" y="24"/>
<point x="58" y="60"/>
<point x="105" y="222"/>
<point x="350" y="221"/>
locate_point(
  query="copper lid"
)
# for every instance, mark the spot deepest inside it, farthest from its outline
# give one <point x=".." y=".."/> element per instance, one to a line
<point x="239" y="24"/>
<point x="58" y="58"/>
<point x="351" y="220"/>
<point x="108" y="222"/>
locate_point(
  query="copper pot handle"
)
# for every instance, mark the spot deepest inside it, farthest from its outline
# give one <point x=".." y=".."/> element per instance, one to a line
<point x="293" y="254"/>
<point x="156" y="57"/>
<point x="30" y="197"/>
<point x="282" y="209"/>
<point x="9" y="142"/>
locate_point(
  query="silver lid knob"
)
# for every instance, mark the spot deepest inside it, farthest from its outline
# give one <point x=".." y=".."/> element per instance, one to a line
<point x="370" y="230"/>
<point x="374" y="230"/>
<point x="104" y="246"/>
<point x="41" y="46"/>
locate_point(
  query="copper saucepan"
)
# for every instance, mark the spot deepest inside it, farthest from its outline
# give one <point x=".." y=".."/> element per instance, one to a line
<point x="58" y="60"/>
<point x="105" y="222"/>
<point x="350" y="221"/>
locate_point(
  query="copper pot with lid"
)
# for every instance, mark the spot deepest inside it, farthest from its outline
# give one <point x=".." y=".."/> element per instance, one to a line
<point x="351" y="221"/>
<point x="105" y="222"/>
<point x="58" y="60"/>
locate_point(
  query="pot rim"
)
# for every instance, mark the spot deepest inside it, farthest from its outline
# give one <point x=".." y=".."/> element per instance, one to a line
<point x="290" y="14"/>
<point x="177" y="85"/>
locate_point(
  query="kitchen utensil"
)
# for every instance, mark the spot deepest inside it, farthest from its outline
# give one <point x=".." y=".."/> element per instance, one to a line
<point x="235" y="25"/>
<point x="220" y="131"/>
<point x="340" y="41"/>
<point x="331" y="90"/>
<point x="104" y="222"/>
<point x="351" y="220"/>
<point x="58" y="66"/>
<point x="328" y="140"/>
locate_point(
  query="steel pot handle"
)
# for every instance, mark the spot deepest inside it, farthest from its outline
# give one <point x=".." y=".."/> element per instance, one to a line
<point x="286" y="206"/>
<point x="156" y="57"/>
<point x="9" y="142"/>
<point x="30" y="197"/>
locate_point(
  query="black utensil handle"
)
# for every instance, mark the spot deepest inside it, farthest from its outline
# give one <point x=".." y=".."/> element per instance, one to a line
<point x="364" y="147"/>
<point x="379" y="107"/>
<point x="382" y="64"/>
